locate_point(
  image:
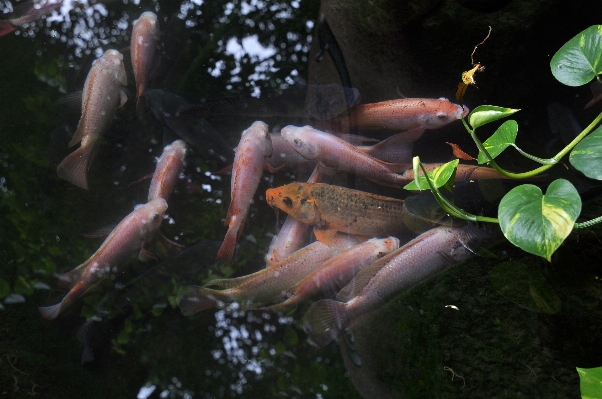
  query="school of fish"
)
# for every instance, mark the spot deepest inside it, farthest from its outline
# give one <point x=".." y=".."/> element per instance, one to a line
<point x="350" y="249"/>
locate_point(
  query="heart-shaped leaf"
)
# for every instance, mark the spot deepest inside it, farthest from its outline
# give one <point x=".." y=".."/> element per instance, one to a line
<point x="539" y="223"/>
<point x="590" y="383"/>
<point x="586" y="157"/>
<point x="504" y="136"/>
<point x="580" y="59"/>
<point x="484" y="114"/>
<point x="439" y="176"/>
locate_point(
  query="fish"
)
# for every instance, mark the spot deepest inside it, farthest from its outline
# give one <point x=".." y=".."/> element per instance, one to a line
<point x="129" y="237"/>
<point x="337" y="154"/>
<point x="266" y="285"/>
<point x="255" y="146"/>
<point x="332" y="208"/>
<point x="292" y="236"/>
<point x="463" y="172"/>
<point x="101" y="96"/>
<point x="169" y="108"/>
<point x="406" y="114"/>
<point x="336" y="273"/>
<point x="423" y="257"/>
<point x="32" y="10"/>
<point x="143" y="48"/>
<point x="167" y="172"/>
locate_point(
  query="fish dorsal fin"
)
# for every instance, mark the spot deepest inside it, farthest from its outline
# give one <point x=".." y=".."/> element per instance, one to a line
<point x="396" y="149"/>
<point x="361" y="279"/>
<point x="325" y="236"/>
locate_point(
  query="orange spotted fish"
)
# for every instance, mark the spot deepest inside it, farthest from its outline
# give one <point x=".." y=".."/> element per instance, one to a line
<point x="332" y="208"/>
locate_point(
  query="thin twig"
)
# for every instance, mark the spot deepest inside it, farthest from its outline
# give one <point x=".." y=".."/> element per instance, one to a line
<point x="475" y="47"/>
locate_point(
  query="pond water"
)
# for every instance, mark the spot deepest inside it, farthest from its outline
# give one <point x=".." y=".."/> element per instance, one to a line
<point x="512" y="325"/>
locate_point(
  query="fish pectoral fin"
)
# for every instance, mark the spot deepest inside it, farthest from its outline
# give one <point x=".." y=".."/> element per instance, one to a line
<point x="123" y="98"/>
<point x="144" y="255"/>
<point x="325" y="170"/>
<point x="272" y="169"/>
<point x="325" y="236"/>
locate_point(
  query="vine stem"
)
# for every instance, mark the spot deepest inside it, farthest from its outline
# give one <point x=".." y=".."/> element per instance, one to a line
<point x="447" y="206"/>
<point x="536" y="171"/>
<point x="589" y="223"/>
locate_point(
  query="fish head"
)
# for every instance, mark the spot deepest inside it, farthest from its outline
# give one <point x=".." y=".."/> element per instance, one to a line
<point x="260" y="130"/>
<point x="300" y="139"/>
<point x="113" y="61"/>
<point x="442" y="112"/>
<point x="294" y="200"/>
<point x="151" y="216"/>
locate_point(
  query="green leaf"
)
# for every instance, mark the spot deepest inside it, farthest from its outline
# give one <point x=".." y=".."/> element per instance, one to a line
<point x="580" y="59"/>
<point x="586" y="157"/>
<point x="484" y="114"/>
<point x="439" y="176"/>
<point x="590" y="382"/>
<point x="539" y="223"/>
<point x="504" y="136"/>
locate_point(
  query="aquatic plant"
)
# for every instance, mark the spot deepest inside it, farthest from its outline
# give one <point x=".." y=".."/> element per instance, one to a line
<point x="536" y="222"/>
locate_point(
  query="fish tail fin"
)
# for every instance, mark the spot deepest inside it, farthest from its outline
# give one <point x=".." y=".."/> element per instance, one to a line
<point x="398" y="148"/>
<point x="74" y="168"/>
<point x="195" y="300"/>
<point x="226" y="251"/>
<point x="324" y="321"/>
<point x="140" y="103"/>
<point x="50" y="312"/>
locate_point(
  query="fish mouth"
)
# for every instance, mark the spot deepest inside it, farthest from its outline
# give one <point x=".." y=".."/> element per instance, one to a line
<point x="270" y="197"/>
<point x="465" y="111"/>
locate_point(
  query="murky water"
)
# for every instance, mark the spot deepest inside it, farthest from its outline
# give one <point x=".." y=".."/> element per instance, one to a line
<point x="482" y="329"/>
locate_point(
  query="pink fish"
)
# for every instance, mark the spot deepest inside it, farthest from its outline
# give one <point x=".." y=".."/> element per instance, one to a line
<point x="101" y="96"/>
<point x="406" y="114"/>
<point x="143" y="48"/>
<point x="268" y="284"/>
<point x="292" y="236"/>
<point x="168" y="169"/>
<point x="338" y="154"/>
<point x="421" y="258"/>
<point x="335" y="273"/>
<point x="463" y="172"/>
<point x="254" y="147"/>
<point x="129" y="237"/>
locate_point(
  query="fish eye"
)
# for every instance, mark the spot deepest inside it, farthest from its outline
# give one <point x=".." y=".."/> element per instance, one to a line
<point x="441" y="115"/>
<point x="155" y="216"/>
<point x="297" y="141"/>
<point x="288" y="202"/>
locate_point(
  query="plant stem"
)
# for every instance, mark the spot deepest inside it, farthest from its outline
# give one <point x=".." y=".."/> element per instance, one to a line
<point x="589" y="223"/>
<point x="541" y="169"/>
<point x="447" y="206"/>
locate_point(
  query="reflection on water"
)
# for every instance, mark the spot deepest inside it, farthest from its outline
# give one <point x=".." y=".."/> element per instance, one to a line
<point x="221" y="66"/>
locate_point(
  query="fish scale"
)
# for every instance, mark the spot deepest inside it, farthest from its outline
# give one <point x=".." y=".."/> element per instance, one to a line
<point x="341" y="209"/>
